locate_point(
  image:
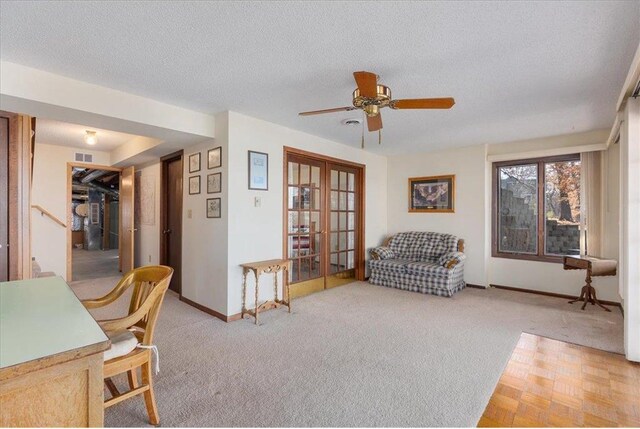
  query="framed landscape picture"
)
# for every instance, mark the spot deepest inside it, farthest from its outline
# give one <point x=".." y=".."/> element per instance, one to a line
<point x="214" y="183"/>
<point x="194" y="162"/>
<point x="194" y="185"/>
<point x="434" y="194"/>
<point x="213" y="207"/>
<point x="258" y="171"/>
<point x="214" y="158"/>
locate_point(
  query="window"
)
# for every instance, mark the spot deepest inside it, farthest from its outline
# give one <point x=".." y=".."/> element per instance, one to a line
<point x="536" y="208"/>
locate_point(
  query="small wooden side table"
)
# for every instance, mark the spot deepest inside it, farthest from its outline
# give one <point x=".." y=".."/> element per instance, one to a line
<point x="595" y="267"/>
<point x="272" y="266"/>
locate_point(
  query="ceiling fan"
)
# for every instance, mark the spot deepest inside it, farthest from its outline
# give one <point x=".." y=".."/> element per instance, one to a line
<point x="370" y="97"/>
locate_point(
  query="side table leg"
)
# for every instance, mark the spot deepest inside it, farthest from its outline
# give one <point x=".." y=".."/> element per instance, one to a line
<point x="244" y="292"/>
<point x="275" y="286"/>
<point x="257" y="289"/>
<point x="285" y="279"/>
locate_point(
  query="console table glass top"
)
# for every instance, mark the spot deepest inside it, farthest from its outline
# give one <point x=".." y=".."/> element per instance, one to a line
<point x="42" y="317"/>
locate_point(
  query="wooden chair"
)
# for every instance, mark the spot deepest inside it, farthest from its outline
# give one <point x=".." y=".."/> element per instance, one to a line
<point x="132" y="335"/>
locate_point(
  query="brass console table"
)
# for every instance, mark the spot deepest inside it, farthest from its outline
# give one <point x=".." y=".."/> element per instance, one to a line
<point x="595" y="267"/>
<point x="272" y="266"/>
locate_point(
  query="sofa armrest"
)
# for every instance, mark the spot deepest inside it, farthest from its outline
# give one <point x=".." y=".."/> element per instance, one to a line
<point x="381" y="252"/>
<point x="451" y="259"/>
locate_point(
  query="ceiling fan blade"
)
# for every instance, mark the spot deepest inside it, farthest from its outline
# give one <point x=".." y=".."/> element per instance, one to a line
<point x="367" y="83"/>
<point x="319" y="112"/>
<point x="374" y="123"/>
<point x="423" y="103"/>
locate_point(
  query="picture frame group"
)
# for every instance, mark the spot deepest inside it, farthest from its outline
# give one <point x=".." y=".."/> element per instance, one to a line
<point x="432" y="194"/>
<point x="214" y="180"/>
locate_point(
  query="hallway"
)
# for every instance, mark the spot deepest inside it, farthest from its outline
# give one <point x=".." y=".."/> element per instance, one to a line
<point x="94" y="264"/>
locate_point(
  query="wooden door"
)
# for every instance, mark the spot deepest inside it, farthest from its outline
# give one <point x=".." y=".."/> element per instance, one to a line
<point x="4" y="199"/>
<point x="344" y="218"/>
<point x="323" y="222"/>
<point x="171" y="223"/>
<point x="127" y="229"/>
<point x="306" y="230"/>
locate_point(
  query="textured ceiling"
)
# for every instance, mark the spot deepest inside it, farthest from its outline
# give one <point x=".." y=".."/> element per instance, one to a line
<point x="516" y="69"/>
<point x="66" y="134"/>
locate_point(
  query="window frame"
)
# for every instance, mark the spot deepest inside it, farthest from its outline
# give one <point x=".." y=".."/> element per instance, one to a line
<point x="540" y="256"/>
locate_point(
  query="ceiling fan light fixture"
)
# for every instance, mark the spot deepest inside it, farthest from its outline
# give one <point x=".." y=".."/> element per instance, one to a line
<point x="90" y="138"/>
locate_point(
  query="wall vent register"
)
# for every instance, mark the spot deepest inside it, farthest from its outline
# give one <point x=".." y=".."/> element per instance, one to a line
<point x="83" y="157"/>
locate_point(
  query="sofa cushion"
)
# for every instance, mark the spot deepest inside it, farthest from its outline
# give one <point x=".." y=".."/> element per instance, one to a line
<point x="393" y="265"/>
<point x="427" y="269"/>
<point x="403" y="245"/>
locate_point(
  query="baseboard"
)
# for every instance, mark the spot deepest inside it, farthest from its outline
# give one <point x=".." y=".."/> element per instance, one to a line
<point x="552" y="294"/>
<point x="471" y="285"/>
<point x="223" y="317"/>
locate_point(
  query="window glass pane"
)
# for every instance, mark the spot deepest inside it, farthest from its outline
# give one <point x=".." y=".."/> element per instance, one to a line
<point x="518" y="209"/>
<point x="351" y="240"/>
<point x="351" y="201"/>
<point x="343" y="201"/>
<point x="293" y="173"/>
<point x="352" y="180"/>
<point x="315" y="221"/>
<point x="315" y="199"/>
<point x="294" y="271"/>
<point x="562" y="208"/>
<point x="343" y="241"/>
<point x="343" y="180"/>
<point x="293" y="197"/>
<point x="334" y="262"/>
<point x="334" y="179"/>
<point x="343" y="221"/>
<point x="315" y="176"/>
<point x="350" y="260"/>
<point x="333" y="246"/>
<point x="334" y="200"/>
<point x="293" y="221"/>
<point x="305" y="198"/>
<point x="352" y="221"/>
<point x="304" y="174"/>
<point x="334" y="221"/>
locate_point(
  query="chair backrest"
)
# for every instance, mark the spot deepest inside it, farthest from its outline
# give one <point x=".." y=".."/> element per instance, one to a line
<point x="150" y="284"/>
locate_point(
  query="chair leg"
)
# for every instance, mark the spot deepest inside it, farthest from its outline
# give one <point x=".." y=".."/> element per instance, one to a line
<point x="132" y="376"/>
<point x="112" y="387"/>
<point x="149" y="396"/>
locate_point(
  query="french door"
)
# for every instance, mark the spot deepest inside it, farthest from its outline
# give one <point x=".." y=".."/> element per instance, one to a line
<point x="323" y="222"/>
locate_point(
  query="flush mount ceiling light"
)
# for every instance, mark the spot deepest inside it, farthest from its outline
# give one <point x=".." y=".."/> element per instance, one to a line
<point x="90" y="138"/>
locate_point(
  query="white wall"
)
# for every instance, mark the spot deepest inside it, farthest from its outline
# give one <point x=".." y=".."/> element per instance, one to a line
<point x="472" y="219"/>
<point x="630" y="226"/>
<point x="205" y="240"/>
<point x="49" y="190"/>
<point x="147" y="237"/>
<point x="468" y="220"/>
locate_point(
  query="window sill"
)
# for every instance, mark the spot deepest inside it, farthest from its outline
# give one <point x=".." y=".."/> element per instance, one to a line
<point x="534" y="258"/>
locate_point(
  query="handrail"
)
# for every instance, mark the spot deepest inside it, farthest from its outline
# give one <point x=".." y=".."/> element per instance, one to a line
<point x="52" y="217"/>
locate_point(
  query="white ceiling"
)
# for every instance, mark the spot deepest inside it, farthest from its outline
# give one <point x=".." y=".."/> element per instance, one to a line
<point x="517" y="70"/>
<point x="65" y="134"/>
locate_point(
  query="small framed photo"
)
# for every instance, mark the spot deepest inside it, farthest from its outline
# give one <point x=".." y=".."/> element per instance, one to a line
<point x="433" y="194"/>
<point x="194" y="162"/>
<point x="214" y="158"/>
<point x="194" y="185"/>
<point x="214" y="183"/>
<point x="213" y="207"/>
<point x="258" y="171"/>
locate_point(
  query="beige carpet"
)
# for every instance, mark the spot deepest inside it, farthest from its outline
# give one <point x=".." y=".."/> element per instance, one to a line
<point x="358" y="355"/>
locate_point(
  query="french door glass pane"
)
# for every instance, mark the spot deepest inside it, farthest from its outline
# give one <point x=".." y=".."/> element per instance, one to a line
<point x="562" y="208"/>
<point x="518" y="208"/>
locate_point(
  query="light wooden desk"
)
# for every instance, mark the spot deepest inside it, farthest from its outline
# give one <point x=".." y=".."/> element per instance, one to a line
<point x="50" y="357"/>
<point x="273" y="266"/>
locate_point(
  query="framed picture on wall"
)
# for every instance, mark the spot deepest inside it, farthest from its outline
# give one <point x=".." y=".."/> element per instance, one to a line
<point x="434" y="194"/>
<point x="214" y="207"/>
<point x="214" y="158"/>
<point x="194" y="162"/>
<point x="214" y="183"/>
<point x="258" y="171"/>
<point x="194" y="185"/>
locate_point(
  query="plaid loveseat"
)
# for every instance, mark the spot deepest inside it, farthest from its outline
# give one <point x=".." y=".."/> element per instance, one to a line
<point x="426" y="262"/>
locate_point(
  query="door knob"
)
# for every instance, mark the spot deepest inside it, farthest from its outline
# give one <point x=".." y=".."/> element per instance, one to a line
<point x="166" y="231"/>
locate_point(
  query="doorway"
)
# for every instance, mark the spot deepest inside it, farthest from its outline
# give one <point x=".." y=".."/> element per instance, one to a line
<point x="99" y="221"/>
<point x="171" y="217"/>
<point x="324" y="221"/>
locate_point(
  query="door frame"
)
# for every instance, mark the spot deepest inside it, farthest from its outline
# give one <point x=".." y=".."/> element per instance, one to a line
<point x="70" y="167"/>
<point x="164" y="162"/>
<point x="360" y="205"/>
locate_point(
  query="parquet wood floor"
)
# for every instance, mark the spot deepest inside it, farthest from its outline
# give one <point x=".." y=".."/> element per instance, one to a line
<point x="550" y="383"/>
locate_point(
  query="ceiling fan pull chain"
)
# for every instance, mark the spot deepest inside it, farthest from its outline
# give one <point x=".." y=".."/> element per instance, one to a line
<point x="362" y="142"/>
<point x="379" y="136"/>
